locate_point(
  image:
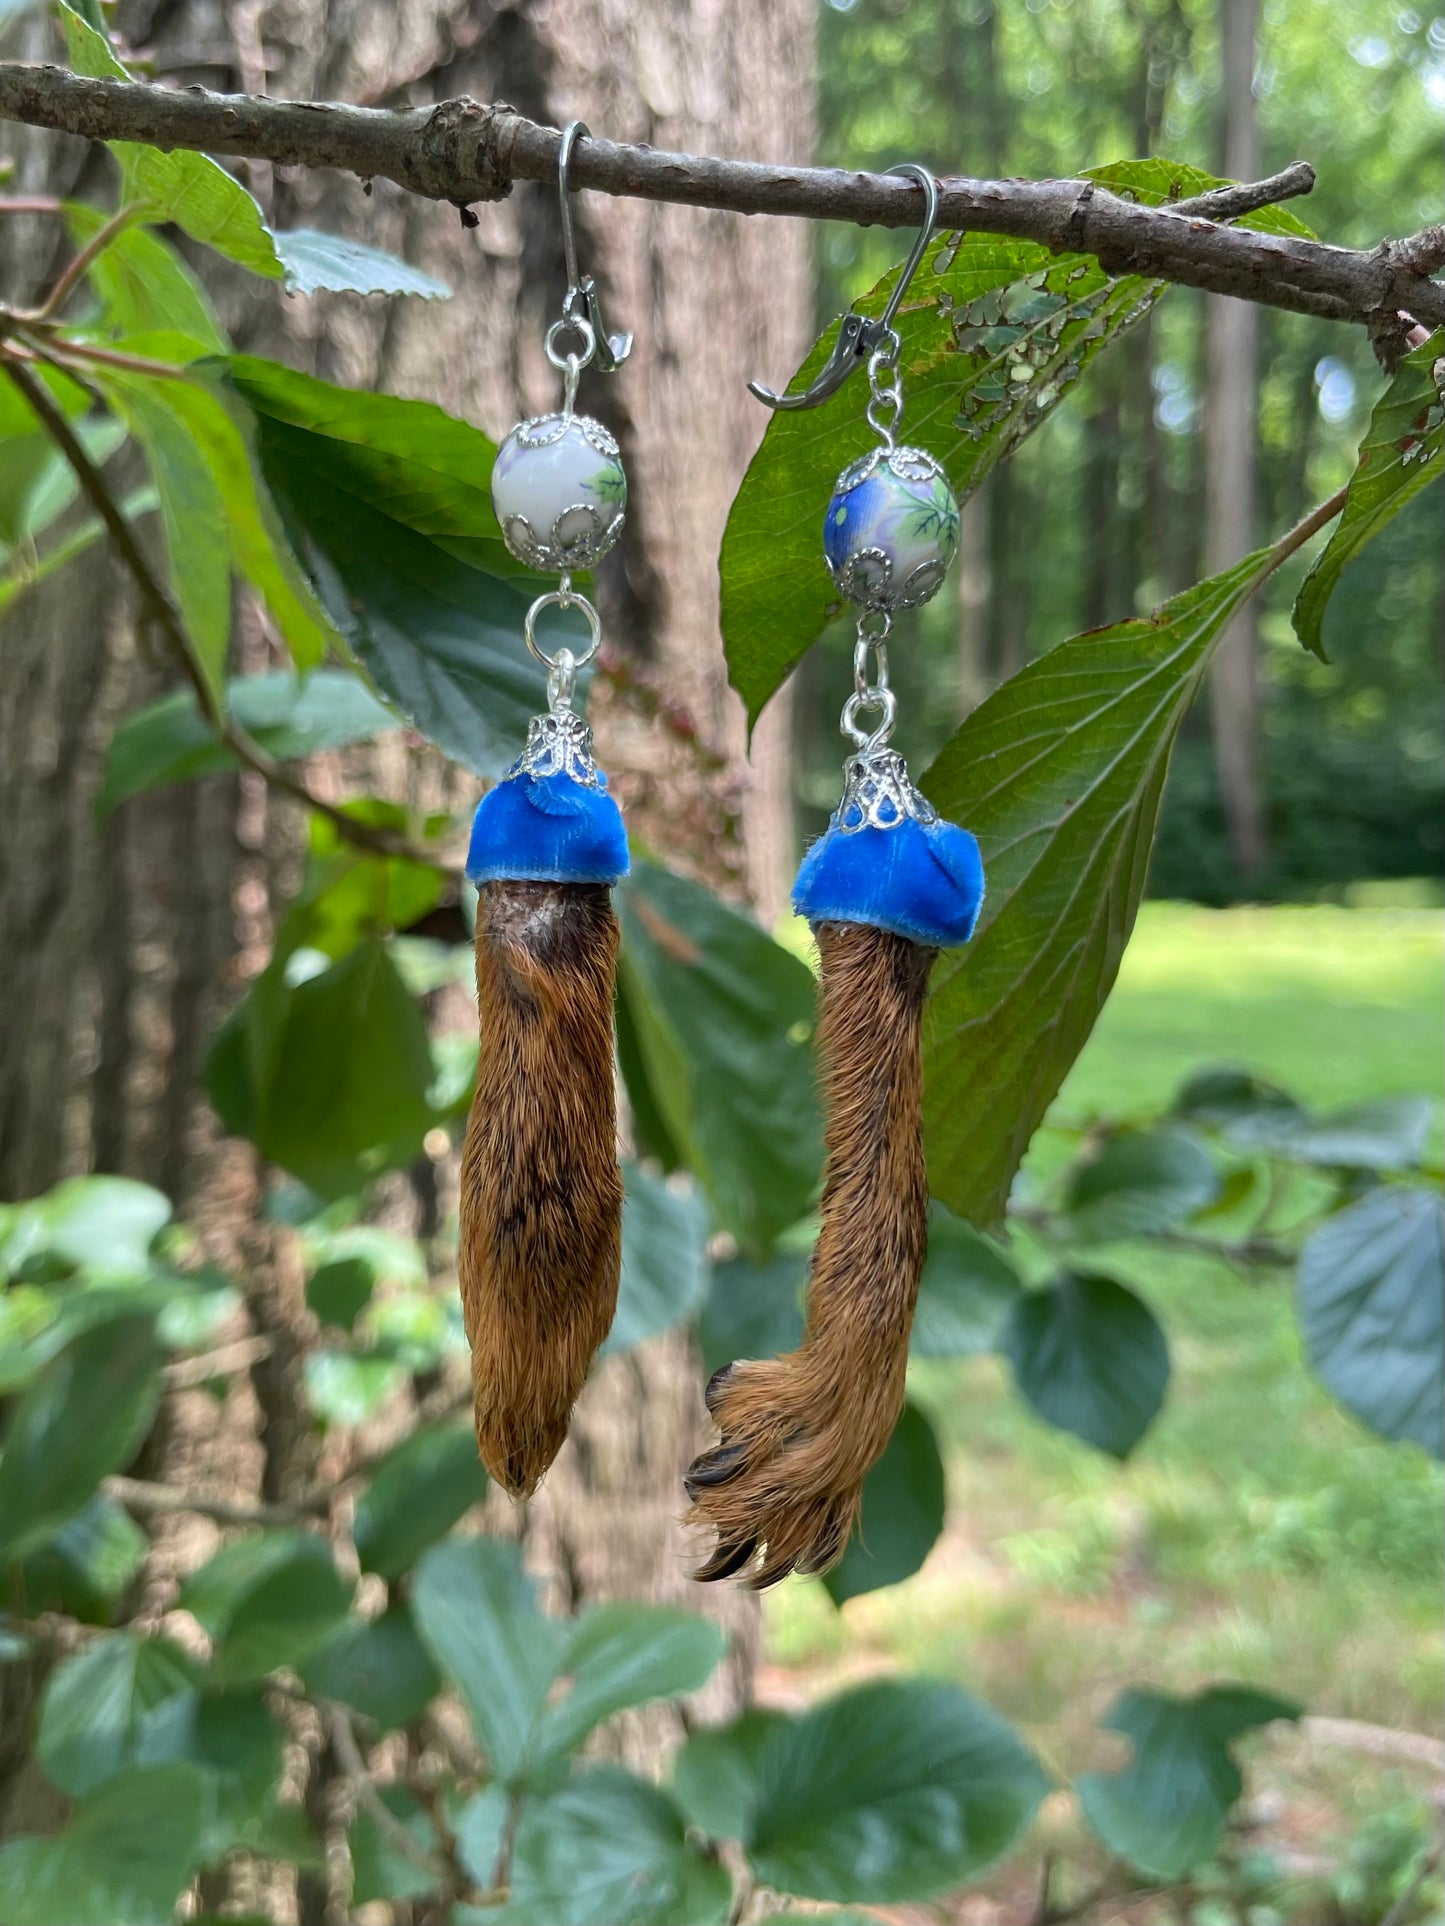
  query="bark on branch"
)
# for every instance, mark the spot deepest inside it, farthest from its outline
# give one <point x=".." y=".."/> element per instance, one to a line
<point x="463" y="151"/>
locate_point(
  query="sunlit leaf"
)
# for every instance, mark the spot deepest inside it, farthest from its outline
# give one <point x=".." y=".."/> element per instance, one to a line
<point x="316" y="263"/>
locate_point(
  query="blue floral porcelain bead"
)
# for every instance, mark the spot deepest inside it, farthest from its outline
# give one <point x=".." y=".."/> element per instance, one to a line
<point x="559" y="491"/>
<point x="891" y="529"/>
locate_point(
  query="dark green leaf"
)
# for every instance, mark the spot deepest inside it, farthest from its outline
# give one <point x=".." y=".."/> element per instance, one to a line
<point x="1090" y="1358"/>
<point x="231" y="1740"/>
<point x="1059" y="774"/>
<point x="329" y="1077"/>
<point x="903" y="1511"/>
<point x="893" y="1791"/>
<point x="620" y="1655"/>
<point x="1403" y="449"/>
<point x="171" y="741"/>
<point x="189" y="189"/>
<point x="121" y="1860"/>
<point x="267" y="1601"/>
<point x="95" y="1706"/>
<point x="477" y="1613"/>
<point x="1372" y="1310"/>
<point x="379" y="1668"/>
<point x="86" y="1567"/>
<point x="84" y="1417"/>
<point x="664" y="1260"/>
<point x="316" y="263"/>
<point x="1165" y="1811"/>
<point x="390" y="505"/>
<point x="608" y="1850"/>
<point x="1388" y="1135"/>
<point x="1218" y="1098"/>
<point x="380" y="1868"/>
<point x="715" y="1772"/>
<point x="753" y="1310"/>
<point x="965" y="1294"/>
<point x="723" y="1019"/>
<point x="415" y="1495"/>
<point x="339" y="1292"/>
<point x="1139" y="1181"/>
<point x="143" y="284"/>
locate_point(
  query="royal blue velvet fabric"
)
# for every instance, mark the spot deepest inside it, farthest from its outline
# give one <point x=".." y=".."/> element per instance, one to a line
<point x="547" y="829"/>
<point x="920" y="880"/>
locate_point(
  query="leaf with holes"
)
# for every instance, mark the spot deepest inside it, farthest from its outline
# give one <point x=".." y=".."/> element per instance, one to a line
<point x="1403" y="450"/>
<point x="1059" y="774"/>
<point x="1371" y="1299"/>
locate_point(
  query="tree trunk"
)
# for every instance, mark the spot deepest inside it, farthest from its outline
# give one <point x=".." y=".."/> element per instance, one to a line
<point x="1230" y="406"/>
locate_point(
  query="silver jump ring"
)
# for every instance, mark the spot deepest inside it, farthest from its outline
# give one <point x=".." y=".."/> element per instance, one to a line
<point x="886" y="703"/>
<point x="576" y="324"/>
<point x="562" y="599"/>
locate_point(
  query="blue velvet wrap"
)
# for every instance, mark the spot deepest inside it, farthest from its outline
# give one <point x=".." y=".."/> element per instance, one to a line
<point x="547" y="829"/>
<point x="920" y="880"/>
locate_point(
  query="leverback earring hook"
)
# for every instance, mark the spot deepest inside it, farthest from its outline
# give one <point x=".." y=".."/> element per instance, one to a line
<point x="581" y="305"/>
<point x="859" y="335"/>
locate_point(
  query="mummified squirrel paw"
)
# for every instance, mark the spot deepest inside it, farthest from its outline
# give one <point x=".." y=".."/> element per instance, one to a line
<point x="782" y="1488"/>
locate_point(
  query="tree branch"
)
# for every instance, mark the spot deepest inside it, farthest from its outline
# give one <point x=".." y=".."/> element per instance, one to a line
<point x="158" y="604"/>
<point x="147" y="1500"/>
<point x="463" y="151"/>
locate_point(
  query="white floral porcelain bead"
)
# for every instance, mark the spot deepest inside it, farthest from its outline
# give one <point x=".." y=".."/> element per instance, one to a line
<point x="891" y="529"/>
<point x="559" y="491"/>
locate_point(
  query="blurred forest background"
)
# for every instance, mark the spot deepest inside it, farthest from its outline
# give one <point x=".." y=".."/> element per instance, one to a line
<point x="1346" y="778"/>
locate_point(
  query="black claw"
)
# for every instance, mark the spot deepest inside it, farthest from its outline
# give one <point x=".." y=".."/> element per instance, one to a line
<point x="712" y="1395"/>
<point x="726" y="1561"/>
<point x="714" y="1468"/>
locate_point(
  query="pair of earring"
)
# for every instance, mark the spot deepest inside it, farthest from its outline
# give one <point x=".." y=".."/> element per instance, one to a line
<point x="885" y="888"/>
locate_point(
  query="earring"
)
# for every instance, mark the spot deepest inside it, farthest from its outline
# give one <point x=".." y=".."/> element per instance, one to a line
<point x="541" y="1193"/>
<point x="885" y="888"/>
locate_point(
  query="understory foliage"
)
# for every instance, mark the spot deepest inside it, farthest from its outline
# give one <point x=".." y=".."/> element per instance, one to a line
<point x="364" y="523"/>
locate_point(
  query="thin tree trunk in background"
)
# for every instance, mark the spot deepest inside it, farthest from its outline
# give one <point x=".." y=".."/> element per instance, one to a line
<point x="972" y="49"/>
<point x="1230" y="406"/>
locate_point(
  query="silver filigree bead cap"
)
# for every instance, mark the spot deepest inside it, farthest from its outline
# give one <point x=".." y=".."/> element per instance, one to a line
<point x="559" y="744"/>
<point x="891" y="529"/>
<point x="879" y="794"/>
<point x="559" y="490"/>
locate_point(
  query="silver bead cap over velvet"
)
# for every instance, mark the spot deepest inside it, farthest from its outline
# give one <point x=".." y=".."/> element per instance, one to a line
<point x="559" y="490"/>
<point x="559" y="744"/>
<point x="878" y="793"/>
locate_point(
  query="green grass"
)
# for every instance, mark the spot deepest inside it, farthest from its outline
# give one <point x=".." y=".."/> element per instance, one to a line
<point x="1259" y="1533"/>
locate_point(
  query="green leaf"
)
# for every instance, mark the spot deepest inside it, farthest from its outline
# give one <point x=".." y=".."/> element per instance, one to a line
<point x="81" y="1419"/>
<point x="416" y="1494"/>
<point x="37" y="483"/>
<point x="95" y="1705"/>
<point x="479" y="1829"/>
<point x="121" y="1860"/>
<point x="1220" y="1098"/>
<point x="143" y="284"/>
<point x="380" y="1869"/>
<point x="266" y="1601"/>
<point x="1090" y="1358"/>
<point x="1139" y="1181"/>
<point x="897" y="1790"/>
<point x="85" y="1569"/>
<point x="664" y="1260"/>
<point x="1165" y="1811"/>
<point x="188" y="189"/>
<point x="753" y="1310"/>
<point x="608" y="1850"/>
<point x="379" y="1668"/>
<point x="1389" y="1135"/>
<point x="1371" y="1298"/>
<point x="338" y="1293"/>
<point x="1403" y="450"/>
<point x="902" y="1515"/>
<point x="965" y="1294"/>
<point x="24" y="571"/>
<point x="105" y="1223"/>
<point x="390" y="505"/>
<point x="715" y="1772"/>
<point x="1059" y="774"/>
<point x="317" y="263"/>
<point x="723" y="1020"/>
<point x="329" y="1076"/>
<point x="347" y="894"/>
<point x="348" y="1390"/>
<point x="621" y="1655"/>
<point x="171" y="740"/>
<point x="232" y="1742"/>
<point x="477" y="1614"/>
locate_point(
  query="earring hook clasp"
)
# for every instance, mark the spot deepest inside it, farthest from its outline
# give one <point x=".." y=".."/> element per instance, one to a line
<point x="581" y="305"/>
<point x="860" y="335"/>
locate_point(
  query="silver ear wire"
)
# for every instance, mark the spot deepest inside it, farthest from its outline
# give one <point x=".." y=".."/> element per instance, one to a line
<point x="581" y="306"/>
<point x="860" y="336"/>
